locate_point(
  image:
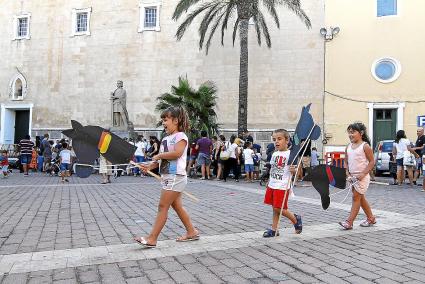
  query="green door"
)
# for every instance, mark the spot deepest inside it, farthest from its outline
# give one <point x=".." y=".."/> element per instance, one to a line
<point x="384" y="125"/>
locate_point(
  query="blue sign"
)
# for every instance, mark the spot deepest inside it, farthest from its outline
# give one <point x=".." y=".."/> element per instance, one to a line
<point x="421" y="120"/>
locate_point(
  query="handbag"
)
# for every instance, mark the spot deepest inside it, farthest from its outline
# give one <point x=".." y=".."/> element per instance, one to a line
<point x="409" y="159"/>
<point x="225" y="154"/>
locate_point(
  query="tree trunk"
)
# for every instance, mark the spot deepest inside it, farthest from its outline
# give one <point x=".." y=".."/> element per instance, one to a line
<point x="243" y="77"/>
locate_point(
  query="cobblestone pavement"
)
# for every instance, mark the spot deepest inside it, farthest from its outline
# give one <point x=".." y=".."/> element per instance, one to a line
<point x="82" y="232"/>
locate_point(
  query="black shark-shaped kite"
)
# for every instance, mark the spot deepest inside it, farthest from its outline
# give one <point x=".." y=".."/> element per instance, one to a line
<point x="324" y="175"/>
<point x="90" y="141"/>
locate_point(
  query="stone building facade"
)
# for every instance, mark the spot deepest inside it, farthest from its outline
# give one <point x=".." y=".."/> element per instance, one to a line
<point x="53" y="70"/>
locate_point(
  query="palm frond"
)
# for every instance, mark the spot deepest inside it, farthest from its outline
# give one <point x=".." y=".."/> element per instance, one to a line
<point x="212" y="32"/>
<point x="257" y="29"/>
<point x="271" y="7"/>
<point x="183" y="26"/>
<point x="228" y="15"/>
<point x="295" y="7"/>
<point x="182" y="7"/>
<point x="235" y="30"/>
<point x="265" y="29"/>
<point x="206" y="21"/>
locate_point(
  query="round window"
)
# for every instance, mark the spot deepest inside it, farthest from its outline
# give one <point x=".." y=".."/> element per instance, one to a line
<point x="386" y="70"/>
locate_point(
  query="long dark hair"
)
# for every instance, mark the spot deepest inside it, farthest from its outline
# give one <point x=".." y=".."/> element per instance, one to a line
<point x="180" y="114"/>
<point x="400" y="134"/>
<point x="360" y="127"/>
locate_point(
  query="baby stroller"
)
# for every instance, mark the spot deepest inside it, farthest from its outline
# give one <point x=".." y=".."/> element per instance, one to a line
<point x="266" y="174"/>
<point x="54" y="167"/>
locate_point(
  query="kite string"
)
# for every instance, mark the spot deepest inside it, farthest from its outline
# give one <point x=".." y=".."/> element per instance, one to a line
<point x="345" y="189"/>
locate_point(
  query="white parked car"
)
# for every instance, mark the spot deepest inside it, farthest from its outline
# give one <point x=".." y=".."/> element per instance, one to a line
<point x="382" y="157"/>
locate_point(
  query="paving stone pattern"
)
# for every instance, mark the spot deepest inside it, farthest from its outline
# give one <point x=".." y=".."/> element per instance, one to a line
<point x="40" y="214"/>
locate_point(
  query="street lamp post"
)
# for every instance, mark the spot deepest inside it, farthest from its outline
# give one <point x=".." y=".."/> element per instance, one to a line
<point x="328" y="34"/>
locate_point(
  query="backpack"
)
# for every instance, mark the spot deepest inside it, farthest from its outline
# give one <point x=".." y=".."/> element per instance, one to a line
<point x="225" y="153"/>
<point x="256" y="159"/>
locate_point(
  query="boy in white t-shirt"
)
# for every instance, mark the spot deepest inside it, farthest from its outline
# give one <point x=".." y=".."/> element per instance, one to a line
<point x="65" y="162"/>
<point x="248" y="154"/>
<point x="280" y="175"/>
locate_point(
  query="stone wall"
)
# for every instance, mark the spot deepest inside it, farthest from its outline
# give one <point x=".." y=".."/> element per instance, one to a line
<point x="72" y="77"/>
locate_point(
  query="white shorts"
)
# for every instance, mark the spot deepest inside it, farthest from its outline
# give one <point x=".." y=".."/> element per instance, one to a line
<point x="174" y="182"/>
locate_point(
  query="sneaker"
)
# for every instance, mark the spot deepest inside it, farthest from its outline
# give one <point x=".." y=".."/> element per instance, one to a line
<point x="299" y="225"/>
<point x="270" y="233"/>
<point x="368" y="223"/>
<point x="202" y="178"/>
<point x="236" y="180"/>
<point x="346" y="225"/>
<point x="414" y="182"/>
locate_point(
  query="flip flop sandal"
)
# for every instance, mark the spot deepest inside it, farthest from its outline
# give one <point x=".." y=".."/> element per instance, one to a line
<point x="187" y="239"/>
<point x="141" y="241"/>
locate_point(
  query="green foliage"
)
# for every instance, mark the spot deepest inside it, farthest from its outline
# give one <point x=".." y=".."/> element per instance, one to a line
<point x="199" y="104"/>
<point x="218" y="13"/>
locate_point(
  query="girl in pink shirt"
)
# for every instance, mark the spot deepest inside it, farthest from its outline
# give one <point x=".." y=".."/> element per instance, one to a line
<point x="359" y="162"/>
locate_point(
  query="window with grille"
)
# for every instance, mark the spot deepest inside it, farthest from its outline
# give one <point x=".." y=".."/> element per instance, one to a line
<point x="21" y="24"/>
<point x="22" y="27"/>
<point x="81" y="22"/>
<point x="150" y="17"/>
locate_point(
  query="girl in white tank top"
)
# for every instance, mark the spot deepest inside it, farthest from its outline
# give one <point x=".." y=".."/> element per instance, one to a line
<point x="359" y="161"/>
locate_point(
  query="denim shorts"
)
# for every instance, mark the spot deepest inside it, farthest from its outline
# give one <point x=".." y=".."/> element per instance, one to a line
<point x="4" y="168"/>
<point x="65" y="167"/>
<point x="204" y="159"/>
<point x="249" y="168"/>
<point x="399" y="162"/>
<point x="26" y="159"/>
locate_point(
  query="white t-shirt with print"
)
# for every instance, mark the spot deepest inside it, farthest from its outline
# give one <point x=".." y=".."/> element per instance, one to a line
<point x="65" y="155"/>
<point x="247" y="155"/>
<point x="168" y="144"/>
<point x="279" y="171"/>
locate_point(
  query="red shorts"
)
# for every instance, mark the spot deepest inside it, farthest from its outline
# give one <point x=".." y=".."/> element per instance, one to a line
<point x="275" y="197"/>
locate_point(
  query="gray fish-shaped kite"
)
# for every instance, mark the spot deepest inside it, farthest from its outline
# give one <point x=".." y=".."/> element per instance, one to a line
<point x="90" y="141"/>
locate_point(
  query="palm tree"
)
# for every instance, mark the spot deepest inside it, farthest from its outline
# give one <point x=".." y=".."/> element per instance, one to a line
<point x="218" y="13"/>
<point x="199" y="105"/>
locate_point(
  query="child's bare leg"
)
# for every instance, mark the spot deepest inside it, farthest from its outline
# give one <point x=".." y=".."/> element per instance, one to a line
<point x="184" y="217"/>
<point x="366" y="208"/>
<point x="355" y="207"/>
<point x="288" y="214"/>
<point x="167" y="198"/>
<point x="276" y="213"/>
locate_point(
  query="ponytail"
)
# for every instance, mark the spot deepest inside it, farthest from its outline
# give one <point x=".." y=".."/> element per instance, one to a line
<point x="180" y="114"/>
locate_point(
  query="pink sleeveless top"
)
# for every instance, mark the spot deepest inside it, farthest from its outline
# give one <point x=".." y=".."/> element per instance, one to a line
<point x="357" y="163"/>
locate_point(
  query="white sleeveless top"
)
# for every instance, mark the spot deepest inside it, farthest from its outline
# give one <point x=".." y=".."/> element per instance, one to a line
<point x="357" y="161"/>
